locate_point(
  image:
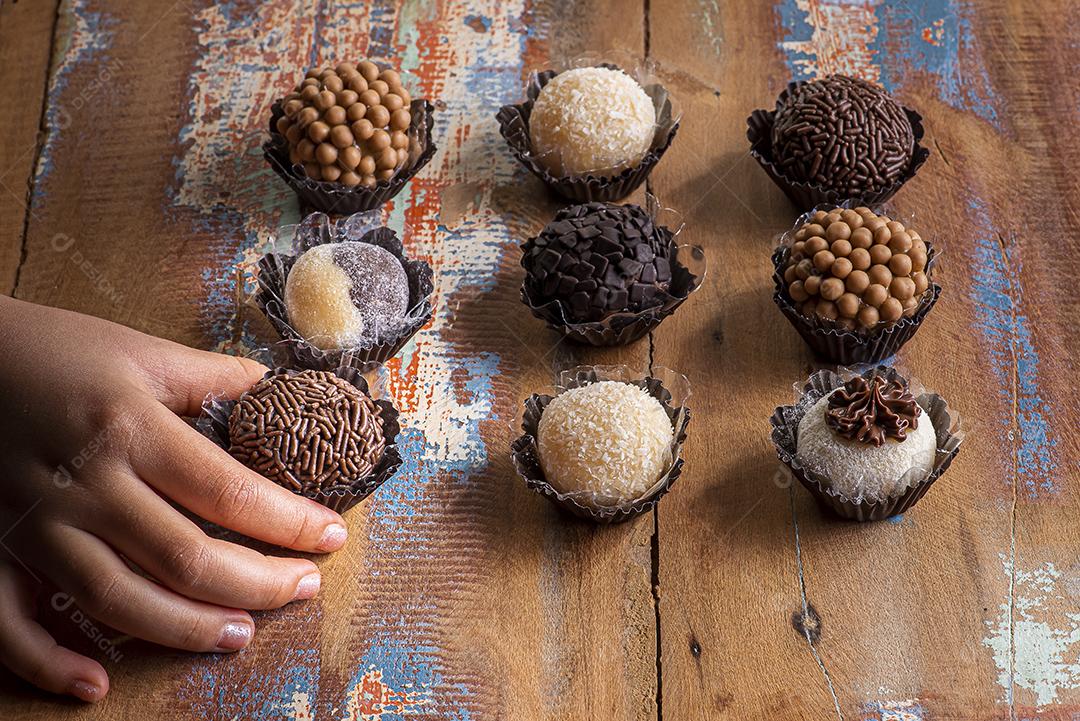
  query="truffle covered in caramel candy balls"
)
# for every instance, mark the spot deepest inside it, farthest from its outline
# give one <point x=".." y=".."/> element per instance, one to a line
<point x="858" y="268"/>
<point x="348" y="124"/>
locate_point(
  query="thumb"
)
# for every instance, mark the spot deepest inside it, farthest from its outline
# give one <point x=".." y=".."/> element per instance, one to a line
<point x="182" y="377"/>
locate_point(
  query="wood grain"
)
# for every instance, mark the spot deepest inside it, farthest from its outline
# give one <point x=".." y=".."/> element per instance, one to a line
<point x="26" y="31"/>
<point x="883" y="614"/>
<point x="462" y="595"/>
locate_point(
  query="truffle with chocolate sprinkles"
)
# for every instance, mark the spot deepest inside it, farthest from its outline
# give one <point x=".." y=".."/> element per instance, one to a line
<point x="307" y="432"/>
<point x="844" y="134"/>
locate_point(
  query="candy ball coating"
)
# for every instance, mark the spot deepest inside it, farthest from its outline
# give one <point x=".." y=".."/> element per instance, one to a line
<point x="859" y="470"/>
<point x="594" y="120"/>
<point x="341" y="295"/>
<point x="606" y="443"/>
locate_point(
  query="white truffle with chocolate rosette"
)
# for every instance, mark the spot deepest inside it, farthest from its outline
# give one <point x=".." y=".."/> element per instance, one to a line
<point x="868" y="439"/>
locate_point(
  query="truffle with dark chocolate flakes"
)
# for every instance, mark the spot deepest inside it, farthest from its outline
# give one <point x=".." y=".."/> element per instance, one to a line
<point x="597" y="259"/>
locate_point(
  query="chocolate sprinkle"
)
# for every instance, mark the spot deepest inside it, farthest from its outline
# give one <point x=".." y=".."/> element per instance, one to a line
<point x="844" y="134"/>
<point x="868" y="411"/>
<point x="597" y="259"/>
<point x="307" y="431"/>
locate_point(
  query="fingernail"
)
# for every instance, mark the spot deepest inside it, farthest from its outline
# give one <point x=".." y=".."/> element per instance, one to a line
<point x="308" y="587"/>
<point x="84" y="690"/>
<point x="333" y="537"/>
<point x="235" y="636"/>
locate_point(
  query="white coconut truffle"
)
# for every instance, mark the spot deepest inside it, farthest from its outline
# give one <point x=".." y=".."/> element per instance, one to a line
<point x="604" y="443"/>
<point x="861" y="470"/>
<point x="342" y="295"/>
<point x="595" y="121"/>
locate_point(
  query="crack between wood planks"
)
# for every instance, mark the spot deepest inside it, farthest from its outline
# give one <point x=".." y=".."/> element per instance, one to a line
<point x="1014" y="421"/>
<point x="806" y="609"/>
<point x="646" y="6"/>
<point x="655" y="540"/>
<point x="39" y="147"/>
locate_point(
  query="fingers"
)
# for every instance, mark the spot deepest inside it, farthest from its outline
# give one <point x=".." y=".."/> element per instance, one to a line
<point x="31" y="653"/>
<point x="181" y="377"/>
<point x="108" y="590"/>
<point x="205" y="479"/>
<point x="172" y="549"/>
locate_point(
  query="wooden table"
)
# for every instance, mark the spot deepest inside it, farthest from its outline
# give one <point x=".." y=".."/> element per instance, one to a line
<point x="133" y="188"/>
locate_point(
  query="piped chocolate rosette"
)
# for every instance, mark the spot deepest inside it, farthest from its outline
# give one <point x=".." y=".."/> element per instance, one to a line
<point x="319" y="434"/>
<point x="865" y="445"/>
<point x="607" y="274"/>
<point x="871" y="411"/>
<point x="856" y="284"/>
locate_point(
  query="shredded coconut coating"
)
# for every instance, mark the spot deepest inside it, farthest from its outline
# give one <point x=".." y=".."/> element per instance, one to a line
<point x="604" y="443"/>
<point x="592" y="120"/>
<point x="340" y="295"/>
<point x="861" y="470"/>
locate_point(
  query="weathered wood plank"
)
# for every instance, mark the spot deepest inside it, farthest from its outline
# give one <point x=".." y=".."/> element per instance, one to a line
<point x="932" y="615"/>
<point x="25" y="37"/>
<point x="461" y="595"/>
<point x="730" y="578"/>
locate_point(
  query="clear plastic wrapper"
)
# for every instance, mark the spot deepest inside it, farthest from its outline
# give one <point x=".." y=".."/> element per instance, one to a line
<point x="807" y="195"/>
<point x="688" y="268"/>
<point x="318" y="229"/>
<point x="830" y="340"/>
<point x="785" y="422"/>
<point x="514" y="126"/>
<point x="340" y="199"/>
<point x="214" y="424"/>
<point x="668" y="387"/>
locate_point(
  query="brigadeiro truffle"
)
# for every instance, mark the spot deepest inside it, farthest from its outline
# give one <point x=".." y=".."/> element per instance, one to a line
<point x="865" y="444"/>
<point x="348" y="137"/>
<point x="340" y="295"/>
<point x="837" y="138"/>
<point x="608" y="440"/>
<point x="607" y="274"/>
<point x="319" y="434"/>
<point x="606" y="446"/>
<point x="591" y="133"/>
<point x="591" y="120"/>
<point x="854" y="283"/>
<point x="347" y="297"/>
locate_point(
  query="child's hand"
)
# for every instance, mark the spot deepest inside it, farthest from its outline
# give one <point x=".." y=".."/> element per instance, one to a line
<point x="91" y="451"/>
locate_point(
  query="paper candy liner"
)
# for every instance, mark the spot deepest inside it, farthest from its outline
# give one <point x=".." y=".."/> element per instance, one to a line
<point x="273" y="270"/>
<point x="514" y="126"/>
<point x="807" y="195"/>
<point x="836" y="344"/>
<point x="688" y="269"/>
<point x="338" y="198"/>
<point x="214" y="424"/>
<point x="666" y="386"/>
<point x="785" y="426"/>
